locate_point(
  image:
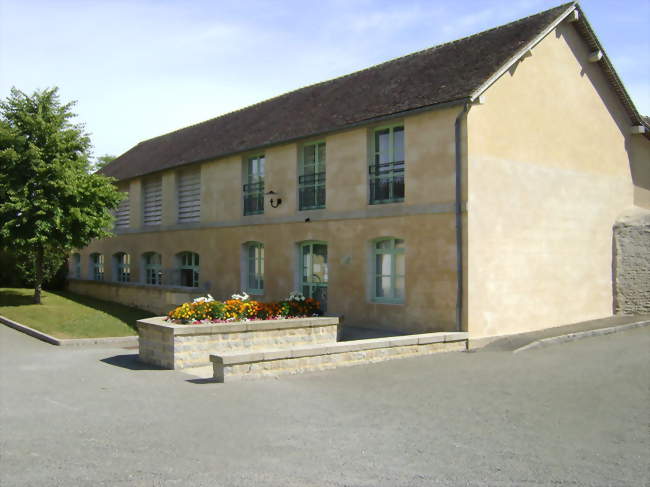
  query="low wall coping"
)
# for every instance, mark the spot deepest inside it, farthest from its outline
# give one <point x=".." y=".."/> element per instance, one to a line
<point x="141" y="285"/>
<point x="234" y="358"/>
<point x="159" y="322"/>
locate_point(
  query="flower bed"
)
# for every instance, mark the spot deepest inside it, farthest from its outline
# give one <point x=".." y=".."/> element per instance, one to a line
<point x="241" y="308"/>
<point x="190" y="333"/>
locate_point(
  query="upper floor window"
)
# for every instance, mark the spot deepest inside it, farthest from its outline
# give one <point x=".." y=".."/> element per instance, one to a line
<point x="189" y="196"/>
<point x="152" y="201"/>
<point x="386" y="170"/>
<point x="122" y="267"/>
<point x="254" y="185"/>
<point x="311" y="180"/>
<point x="97" y="267"/>
<point x="188" y="269"/>
<point x="152" y="263"/>
<point x="123" y="213"/>
<point x="388" y="270"/>
<point x="76" y="266"/>
<point x="254" y="267"/>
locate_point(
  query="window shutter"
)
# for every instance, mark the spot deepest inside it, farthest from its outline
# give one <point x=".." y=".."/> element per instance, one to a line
<point x="152" y="202"/>
<point x="123" y="213"/>
<point x="189" y="197"/>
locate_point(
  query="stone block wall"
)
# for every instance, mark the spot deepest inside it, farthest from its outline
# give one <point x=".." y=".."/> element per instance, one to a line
<point x="157" y="299"/>
<point x="254" y="365"/>
<point x="174" y="346"/>
<point x="632" y="263"/>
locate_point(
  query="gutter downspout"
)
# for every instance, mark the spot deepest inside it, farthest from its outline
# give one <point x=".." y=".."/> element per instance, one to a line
<point x="459" y="217"/>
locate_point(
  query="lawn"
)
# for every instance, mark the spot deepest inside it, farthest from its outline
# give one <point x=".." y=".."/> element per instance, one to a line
<point x="67" y="315"/>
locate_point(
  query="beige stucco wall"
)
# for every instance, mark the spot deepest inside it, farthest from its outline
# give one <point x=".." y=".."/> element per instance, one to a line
<point x="430" y="271"/>
<point x="424" y="220"/>
<point x="640" y="168"/>
<point x="549" y="172"/>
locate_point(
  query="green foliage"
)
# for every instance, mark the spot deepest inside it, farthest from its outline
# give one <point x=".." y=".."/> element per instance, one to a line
<point x="102" y="161"/>
<point x="49" y="203"/>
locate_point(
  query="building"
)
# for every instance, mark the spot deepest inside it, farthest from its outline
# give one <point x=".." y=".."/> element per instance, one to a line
<point x="472" y="186"/>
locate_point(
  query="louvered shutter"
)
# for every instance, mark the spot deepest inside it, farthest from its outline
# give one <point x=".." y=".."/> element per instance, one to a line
<point x="123" y="213"/>
<point x="152" y="202"/>
<point x="189" y="197"/>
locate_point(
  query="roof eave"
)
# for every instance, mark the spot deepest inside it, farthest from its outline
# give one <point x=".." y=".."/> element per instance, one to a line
<point x="585" y="30"/>
<point x="520" y="53"/>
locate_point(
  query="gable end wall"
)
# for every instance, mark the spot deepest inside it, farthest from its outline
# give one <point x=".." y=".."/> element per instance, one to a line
<point x="548" y="173"/>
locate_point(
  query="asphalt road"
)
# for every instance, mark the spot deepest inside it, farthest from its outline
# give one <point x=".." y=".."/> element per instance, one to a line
<point x="574" y="414"/>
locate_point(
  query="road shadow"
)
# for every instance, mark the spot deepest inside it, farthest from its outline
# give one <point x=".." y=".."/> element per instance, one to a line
<point x="209" y="380"/>
<point x="129" y="361"/>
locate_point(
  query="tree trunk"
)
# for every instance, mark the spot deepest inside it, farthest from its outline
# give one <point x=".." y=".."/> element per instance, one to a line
<point x="38" y="274"/>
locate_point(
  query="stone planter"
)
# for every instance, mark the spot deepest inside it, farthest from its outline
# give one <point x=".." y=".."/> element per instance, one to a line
<point x="174" y="346"/>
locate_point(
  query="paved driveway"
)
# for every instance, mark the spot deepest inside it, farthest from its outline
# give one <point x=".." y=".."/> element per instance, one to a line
<point x="573" y="414"/>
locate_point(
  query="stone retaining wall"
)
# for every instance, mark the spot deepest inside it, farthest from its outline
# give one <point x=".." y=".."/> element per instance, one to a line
<point x="174" y="346"/>
<point x="157" y="299"/>
<point x="632" y="263"/>
<point x="237" y="366"/>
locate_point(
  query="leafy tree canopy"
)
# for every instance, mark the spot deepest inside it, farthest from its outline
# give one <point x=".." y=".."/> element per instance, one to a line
<point x="49" y="203"/>
<point x="102" y="161"/>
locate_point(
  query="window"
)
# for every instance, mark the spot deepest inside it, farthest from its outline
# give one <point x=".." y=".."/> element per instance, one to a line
<point x="254" y="267"/>
<point x="97" y="267"/>
<point x="188" y="267"/>
<point x="189" y="196"/>
<point x="152" y="201"/>
<point x="389" y="270"/>
<point x="387" y="166"/>
<point x="123" y="213"/>
<point x="152" y="263"/>
<point x="254" y="186"/>
<point x="314" y="271"/>
<point x="76" y="266"/>
<point x="311" y="180"/>
<point x="122" y="267"/>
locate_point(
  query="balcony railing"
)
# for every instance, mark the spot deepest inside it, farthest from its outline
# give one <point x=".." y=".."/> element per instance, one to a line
<point x="387" y="182"/>
<point x="312" y="191"/>
<point x="253" y="198"/>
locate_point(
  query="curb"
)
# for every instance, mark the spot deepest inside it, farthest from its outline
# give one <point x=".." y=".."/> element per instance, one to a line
<point x="545" y="342"/>
<point x="127" y="340"/>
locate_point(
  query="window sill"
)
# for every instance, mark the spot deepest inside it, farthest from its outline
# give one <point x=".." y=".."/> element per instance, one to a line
<point x="387" y="301"/>
<point x="385" y="202"/>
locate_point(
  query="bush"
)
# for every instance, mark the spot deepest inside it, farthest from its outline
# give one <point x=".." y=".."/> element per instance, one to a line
<point x="241" y="308"/>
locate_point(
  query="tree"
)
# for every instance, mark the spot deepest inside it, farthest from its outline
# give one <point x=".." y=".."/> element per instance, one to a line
<point x="102" y="161"/>
<point x="49" y="203"/>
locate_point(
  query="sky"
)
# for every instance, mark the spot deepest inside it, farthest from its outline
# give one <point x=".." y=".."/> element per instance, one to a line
<point x="138" y="69"/>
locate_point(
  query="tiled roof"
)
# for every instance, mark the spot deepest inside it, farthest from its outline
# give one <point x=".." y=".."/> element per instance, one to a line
<point x="441" y="74"/>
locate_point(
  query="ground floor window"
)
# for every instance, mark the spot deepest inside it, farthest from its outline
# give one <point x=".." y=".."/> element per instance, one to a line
<point x="388" y="270"/>
<point x="254" y="262"/>
<point x="188" y="269"/>
<point x="122" y="267"/>
<point x="97" y="267"/>
<point x="152" y="268"/>
<point x="314" y="271"/>
<point x="76" y="266"/>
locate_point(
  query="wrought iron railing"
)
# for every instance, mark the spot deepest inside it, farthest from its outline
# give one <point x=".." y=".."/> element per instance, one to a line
<point x="386" y="182"/>
<point x="253" y="198"/>
<point x="312" y="191"/>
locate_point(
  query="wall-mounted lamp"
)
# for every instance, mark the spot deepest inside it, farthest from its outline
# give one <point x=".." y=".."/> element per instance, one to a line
<point x="274" y="202"/>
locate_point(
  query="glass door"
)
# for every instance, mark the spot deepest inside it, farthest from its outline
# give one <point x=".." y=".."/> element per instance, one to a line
<point x="313" y="271"/>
